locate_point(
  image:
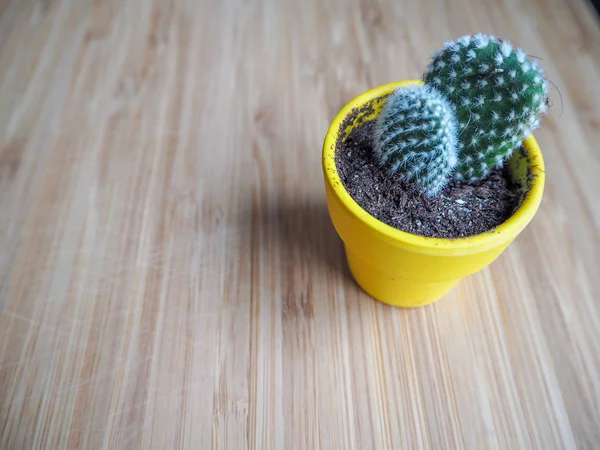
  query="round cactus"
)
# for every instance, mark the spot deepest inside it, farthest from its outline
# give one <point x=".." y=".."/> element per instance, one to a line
<point x="416" y="137"/>
<point x="498" y="93"/>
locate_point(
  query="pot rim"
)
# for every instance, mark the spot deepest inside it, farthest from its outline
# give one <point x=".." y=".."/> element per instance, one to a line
<point x="506" y="231"/>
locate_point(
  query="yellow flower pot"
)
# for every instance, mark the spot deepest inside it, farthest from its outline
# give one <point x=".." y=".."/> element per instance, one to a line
<point x="403" y="269"/>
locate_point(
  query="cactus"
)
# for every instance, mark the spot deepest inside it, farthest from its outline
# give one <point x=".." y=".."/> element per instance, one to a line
<point x="498" y="94"/>
<point x="416" y="137"/>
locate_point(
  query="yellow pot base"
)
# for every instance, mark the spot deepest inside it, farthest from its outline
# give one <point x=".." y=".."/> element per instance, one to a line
<point x="395" y="291"/>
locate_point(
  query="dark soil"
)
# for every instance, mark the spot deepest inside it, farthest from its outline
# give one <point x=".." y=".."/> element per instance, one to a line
<point x="460" y="210"/>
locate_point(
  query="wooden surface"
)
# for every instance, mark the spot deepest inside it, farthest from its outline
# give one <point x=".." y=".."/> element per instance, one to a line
<point x="169" y="276"/>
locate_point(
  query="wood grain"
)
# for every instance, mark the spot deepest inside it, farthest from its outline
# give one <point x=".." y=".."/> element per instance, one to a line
<point x="169" y="276"/>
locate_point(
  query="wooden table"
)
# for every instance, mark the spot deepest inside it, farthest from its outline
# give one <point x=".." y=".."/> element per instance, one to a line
<point x="169" y="275"/>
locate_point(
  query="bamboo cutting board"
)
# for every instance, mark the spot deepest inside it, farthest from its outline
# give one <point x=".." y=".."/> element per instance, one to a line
<point x="169" y="275"/>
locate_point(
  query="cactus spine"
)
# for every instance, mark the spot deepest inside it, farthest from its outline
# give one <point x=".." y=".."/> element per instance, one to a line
<point x="498" y="93"/>
<point x="416" y="137"/>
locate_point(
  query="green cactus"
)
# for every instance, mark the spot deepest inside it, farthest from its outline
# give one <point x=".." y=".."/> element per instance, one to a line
<point x="416" y="137"/>
<point x="498" y="93"/>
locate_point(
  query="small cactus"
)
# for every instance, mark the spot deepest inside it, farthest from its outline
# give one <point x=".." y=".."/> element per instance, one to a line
<point x="416" y="137"/>
<point x="498" y="93"/>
